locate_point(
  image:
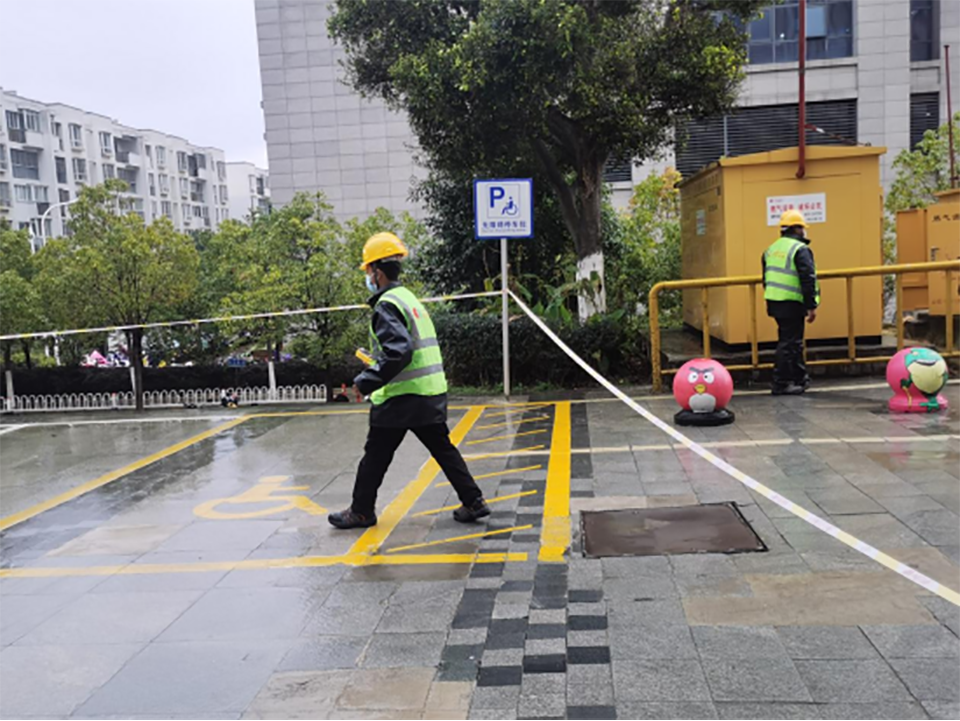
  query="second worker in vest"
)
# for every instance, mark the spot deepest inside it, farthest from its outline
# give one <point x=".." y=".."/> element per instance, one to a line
<point x="792" y="292"/>
<point x="407" y="387"/>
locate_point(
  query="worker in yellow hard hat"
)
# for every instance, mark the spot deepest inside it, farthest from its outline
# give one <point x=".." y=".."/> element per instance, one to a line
<point x="792" y="292"/>
<point x="405" y="381"/>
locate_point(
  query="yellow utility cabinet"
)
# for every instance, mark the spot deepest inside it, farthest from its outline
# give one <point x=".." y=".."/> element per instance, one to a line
<point x="730" y="214"/>
<point x="943" y="239"/>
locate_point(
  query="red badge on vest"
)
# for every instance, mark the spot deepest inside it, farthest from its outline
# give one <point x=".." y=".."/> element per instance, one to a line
<point x="416" y="314"/>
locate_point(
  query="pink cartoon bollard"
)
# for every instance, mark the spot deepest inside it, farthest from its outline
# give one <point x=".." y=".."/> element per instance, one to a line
<point x="916" y="376"/>
<point x="703" y="388"/>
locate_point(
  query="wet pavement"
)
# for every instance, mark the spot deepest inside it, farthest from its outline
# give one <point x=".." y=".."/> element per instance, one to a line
<point x="181" y="565"/>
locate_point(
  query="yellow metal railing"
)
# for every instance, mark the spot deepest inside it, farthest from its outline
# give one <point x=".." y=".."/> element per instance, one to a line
<point x="752" y="281"/>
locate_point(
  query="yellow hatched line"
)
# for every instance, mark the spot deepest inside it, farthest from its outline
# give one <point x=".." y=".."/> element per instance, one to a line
<point x="259" y="564"/>
<point x="459" y="538"/>
<point x="371" y="540"/>
<point x="512" y="423"/>
<point x="504" y="438"/>
<point x="495" y="499"/>
<point x="518" y="408"/>
<point x="502" y="454"/>
<point x="103" y="480"/>
<point x="495" y="474"/>
<point x="555" y="534"/>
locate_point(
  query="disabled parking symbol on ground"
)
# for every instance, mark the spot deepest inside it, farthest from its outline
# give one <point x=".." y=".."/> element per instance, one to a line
<point x="269" y="490"/>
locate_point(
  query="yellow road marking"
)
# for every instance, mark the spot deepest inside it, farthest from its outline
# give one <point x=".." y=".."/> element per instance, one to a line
<point x="495" y="474"/>
<point x="459" y="538"/>
<point x="512" y="423"/>
<point x="259" y="564"/>
<point x="555" y="535"/>
<point x="268" y="490"/>
<point x="103" y="480"/>
<point x="373" y="538"/>
<point x="502" y="454"/>
<point x="504" y="438"/>
<point x="495" y="499"/>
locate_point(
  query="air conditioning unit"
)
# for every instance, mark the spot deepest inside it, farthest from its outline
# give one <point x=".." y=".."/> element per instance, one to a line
<point x="106" y="151"/>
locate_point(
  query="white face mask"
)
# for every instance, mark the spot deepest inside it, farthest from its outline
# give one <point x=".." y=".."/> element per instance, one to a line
<point x="371" y="286"/>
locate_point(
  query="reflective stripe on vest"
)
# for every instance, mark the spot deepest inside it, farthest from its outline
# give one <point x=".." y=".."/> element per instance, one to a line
<point x="424" y="375"/>
<point x="780" y="277"/>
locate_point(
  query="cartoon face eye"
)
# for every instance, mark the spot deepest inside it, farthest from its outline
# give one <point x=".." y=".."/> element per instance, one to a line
<point x="708" y="376"/>
<point x="693" y="377"/>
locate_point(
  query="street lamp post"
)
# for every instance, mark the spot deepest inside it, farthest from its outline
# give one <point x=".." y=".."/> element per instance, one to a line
<point x="43" y="222"/>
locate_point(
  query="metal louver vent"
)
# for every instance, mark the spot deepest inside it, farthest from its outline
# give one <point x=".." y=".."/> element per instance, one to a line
<point x="763" y="128"/>
<point x="924" y="115"/>
<point x="618" y="171"/>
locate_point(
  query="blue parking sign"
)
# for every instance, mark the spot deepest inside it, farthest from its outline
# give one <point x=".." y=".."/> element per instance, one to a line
<point x="503" y="208"/>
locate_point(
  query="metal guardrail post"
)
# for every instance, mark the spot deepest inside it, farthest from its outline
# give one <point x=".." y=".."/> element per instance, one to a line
<point x="705" y="320"/>
<point x="899" y="281"/>
<point x="653" y="309"/>
<point x="948" y="311"/>
<point x="754" y="336"/>
<point x="851" y="337"/>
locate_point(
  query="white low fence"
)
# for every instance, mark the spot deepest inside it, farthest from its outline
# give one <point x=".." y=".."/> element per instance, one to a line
<point x="163" y="399"/>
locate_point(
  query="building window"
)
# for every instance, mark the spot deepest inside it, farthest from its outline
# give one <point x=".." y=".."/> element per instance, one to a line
<point x="63" y="196"/>
<point x="221" y="170"/>
<point x="148" y="151"/>
<point x="161" y="156"/>
<point x="153" y="209"/>
<point x="166" y="209"/>
<point x="152" y="183"/>
<point x="79" y="170"/>
<point x="3" y="156"/>
<point x="201" y="161"/>
<point x="184" y="188"/>
<point x="774" y="35"/>
<point x="40" y="194"/>
<point x="224" y="197"/>
<point x="61" y="164"/>
<point x="57" y="129"/>
<point x="128" y="176"/>
<point x="763" y="128"/>
<point x="31" y="193"/>
<point x="164" y="183"/>
<point x="924" y="115"/>
<point x="5" y="195"/>
<point x="109" y="171"/>
<point x="196" y="191"/>
<point x="31" y="120"/>
<point x="76" y="136"/>
<point x="924" y="30"/>
<point x="181" y="161"/>
<point x="25" y="164"/>
<point x="106" y="143"/>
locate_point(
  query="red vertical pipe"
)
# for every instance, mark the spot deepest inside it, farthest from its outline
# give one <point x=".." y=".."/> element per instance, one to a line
<point x="802" y="120"/>
<point x="953" y="171"/>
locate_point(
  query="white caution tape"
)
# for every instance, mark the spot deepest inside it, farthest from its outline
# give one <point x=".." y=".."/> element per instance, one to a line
<point x="866" y="549"/>
<point x="225" y="318"/>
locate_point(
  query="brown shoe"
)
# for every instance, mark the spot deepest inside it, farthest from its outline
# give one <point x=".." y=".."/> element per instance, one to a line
<point x="349" y="519"/>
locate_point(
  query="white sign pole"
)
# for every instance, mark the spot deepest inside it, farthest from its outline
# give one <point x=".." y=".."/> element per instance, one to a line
<point x="505" y="313"/>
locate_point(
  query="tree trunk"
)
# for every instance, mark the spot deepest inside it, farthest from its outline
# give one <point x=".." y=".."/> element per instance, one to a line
<point x="8" y="355"/>
<point x="581" y="207"/>
<point x="136" y="357"/>
<point x="26" y="353"/>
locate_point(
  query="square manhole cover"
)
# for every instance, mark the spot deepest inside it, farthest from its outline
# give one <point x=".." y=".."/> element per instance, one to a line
<point x="710" y="528"/>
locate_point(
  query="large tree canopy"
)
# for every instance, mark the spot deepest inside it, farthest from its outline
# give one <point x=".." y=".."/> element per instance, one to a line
<point x="565" y="85"/>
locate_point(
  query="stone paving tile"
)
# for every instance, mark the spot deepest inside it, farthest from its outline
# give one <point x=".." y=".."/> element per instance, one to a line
<point x="734" y="710"/>
<point x="826" y="642"/>
<point x="21" y="614"/>
<point x="766" y="679"/>
<point x="52" y="681"/>
<point x="659" y="680"/>
<point x="322" y="653"/>
<point x="737" y="642"/>
<point x="644" y="640"/>
<point x="944" y="611"/>
<point x="942" y="709"/>
<point x="388" y="689"/>
<point x="593" y="694"/>
<point x="299" y="694"/>
<point x="666" y="710"/>
<point x="496" y="697"/>
<point x="852" y="681"/>
<point x="188" y="678"/>
<point x="926" y="641"/>
<point x="870" y="711"/>
<point x="392" y="650"/>
<point x="929" y="679"/>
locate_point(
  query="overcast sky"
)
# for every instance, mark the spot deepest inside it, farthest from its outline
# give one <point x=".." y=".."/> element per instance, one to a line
<point x="185" y="67"/>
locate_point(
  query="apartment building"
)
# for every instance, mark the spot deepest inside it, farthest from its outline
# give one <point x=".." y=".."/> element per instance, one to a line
<point x="875" y="75"/>
<point x="48" y="151"/>
<point x="248" y="190"/>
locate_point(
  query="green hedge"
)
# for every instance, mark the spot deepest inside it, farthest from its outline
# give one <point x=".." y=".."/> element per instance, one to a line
<point x="472" y="351"/>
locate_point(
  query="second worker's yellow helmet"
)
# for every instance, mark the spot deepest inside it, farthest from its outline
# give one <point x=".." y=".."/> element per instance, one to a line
<point x="381" y="246"/>
<point x="791" y="218"/>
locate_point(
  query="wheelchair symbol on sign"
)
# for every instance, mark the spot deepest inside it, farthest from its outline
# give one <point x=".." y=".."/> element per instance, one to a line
<point x="268" y="490"/>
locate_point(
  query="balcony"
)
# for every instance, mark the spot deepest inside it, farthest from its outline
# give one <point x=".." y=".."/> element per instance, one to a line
<point x="18" y="135"/>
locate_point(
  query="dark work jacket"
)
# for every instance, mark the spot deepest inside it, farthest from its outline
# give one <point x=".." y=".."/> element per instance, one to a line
<point x="395" y="354"/>
<point x="808" y="286"/>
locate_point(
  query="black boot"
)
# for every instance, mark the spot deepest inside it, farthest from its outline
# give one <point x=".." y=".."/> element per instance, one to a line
<point x="349" y="519"/>
<point x="469" y="514"/>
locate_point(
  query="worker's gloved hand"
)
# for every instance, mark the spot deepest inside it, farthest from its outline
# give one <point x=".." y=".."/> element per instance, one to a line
<point x="811" y="315"/>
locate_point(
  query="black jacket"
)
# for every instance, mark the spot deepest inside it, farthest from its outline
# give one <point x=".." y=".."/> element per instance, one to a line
<point x="395" y="354"/>
<point x="807" y="271"/>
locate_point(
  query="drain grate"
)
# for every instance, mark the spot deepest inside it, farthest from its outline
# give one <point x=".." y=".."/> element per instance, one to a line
<point x="709" y="528"/>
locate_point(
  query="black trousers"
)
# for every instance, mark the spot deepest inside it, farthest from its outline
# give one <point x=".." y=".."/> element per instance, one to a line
<point x="382" y="443"/>
<point x="788" y="365"/>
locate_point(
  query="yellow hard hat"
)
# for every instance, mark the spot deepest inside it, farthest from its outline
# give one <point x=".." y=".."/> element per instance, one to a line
<point x="791" y="218"/>
<point x="380" y="246"/>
